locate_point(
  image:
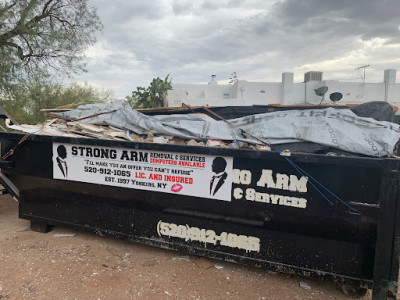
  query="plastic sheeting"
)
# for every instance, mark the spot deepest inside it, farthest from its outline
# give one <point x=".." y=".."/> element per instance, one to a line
<point x="378" y="110"/>
<point x="340" y="129"/>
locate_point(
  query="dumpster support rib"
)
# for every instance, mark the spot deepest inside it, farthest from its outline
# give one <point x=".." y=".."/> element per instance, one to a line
<point x="386" y="255"/>
<point x="11" y="188"/>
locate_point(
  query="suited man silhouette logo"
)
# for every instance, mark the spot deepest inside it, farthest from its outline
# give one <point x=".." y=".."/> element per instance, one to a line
<point x="217" y="181"/>
<point x="62" y="164"/>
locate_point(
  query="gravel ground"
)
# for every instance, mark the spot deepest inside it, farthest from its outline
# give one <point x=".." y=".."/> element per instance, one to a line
<point x="88" y="266"/>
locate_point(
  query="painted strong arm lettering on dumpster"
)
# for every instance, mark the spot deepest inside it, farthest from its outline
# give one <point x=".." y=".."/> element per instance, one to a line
<point x="265" y="189"/>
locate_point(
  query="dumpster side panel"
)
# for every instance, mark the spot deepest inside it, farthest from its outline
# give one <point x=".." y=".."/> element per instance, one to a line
<point x="320" y="223"/>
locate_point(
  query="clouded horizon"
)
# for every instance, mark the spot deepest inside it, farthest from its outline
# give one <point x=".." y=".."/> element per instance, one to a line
<point x="257" y="39"/>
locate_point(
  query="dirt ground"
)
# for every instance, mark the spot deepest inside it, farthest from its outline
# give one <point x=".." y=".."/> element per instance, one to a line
<point x="88" y="266"/>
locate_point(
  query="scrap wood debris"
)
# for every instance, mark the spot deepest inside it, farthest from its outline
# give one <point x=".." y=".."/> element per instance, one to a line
<point x="79" y="129"/>
<point x="61" y="126"/>
<point x="314" y="130"/>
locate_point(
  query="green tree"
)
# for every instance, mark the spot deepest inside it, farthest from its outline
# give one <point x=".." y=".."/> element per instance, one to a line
<point x="44" y="38"/>
<point x="24" y="103"/>
<point x="152" y="96"/>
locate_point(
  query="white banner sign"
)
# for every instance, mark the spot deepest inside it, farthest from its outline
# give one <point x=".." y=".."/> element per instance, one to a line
<point x="189" y="174"/>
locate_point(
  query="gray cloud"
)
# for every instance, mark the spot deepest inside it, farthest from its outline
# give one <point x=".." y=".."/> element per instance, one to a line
<point x="257" y="39"/>
<point x="367" y="18"/>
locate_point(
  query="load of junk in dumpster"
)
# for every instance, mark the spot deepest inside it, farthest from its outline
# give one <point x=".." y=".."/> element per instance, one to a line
<point x="365" y="129"/>
<point x="309" y="190"/>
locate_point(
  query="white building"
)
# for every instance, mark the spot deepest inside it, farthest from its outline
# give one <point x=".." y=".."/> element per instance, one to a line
<point x="287" y="92"/>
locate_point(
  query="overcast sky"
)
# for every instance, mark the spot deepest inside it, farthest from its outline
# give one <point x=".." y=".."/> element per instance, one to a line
<point x="258" y="39"/>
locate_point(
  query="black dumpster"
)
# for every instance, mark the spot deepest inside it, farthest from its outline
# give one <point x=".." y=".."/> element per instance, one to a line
<point x="330" y="217"/>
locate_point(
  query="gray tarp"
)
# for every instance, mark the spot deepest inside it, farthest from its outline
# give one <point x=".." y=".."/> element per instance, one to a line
<point x="340" y="129"/>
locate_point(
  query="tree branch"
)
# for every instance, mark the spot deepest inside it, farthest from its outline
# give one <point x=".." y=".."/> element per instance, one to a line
<point x="20" y="51"/>
<point x="3" y="10"/>
<point x="39" y="35"/>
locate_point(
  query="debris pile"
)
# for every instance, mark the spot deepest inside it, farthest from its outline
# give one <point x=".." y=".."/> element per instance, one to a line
<point x="79" y="129"/>
<point x="311" y="130"/>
